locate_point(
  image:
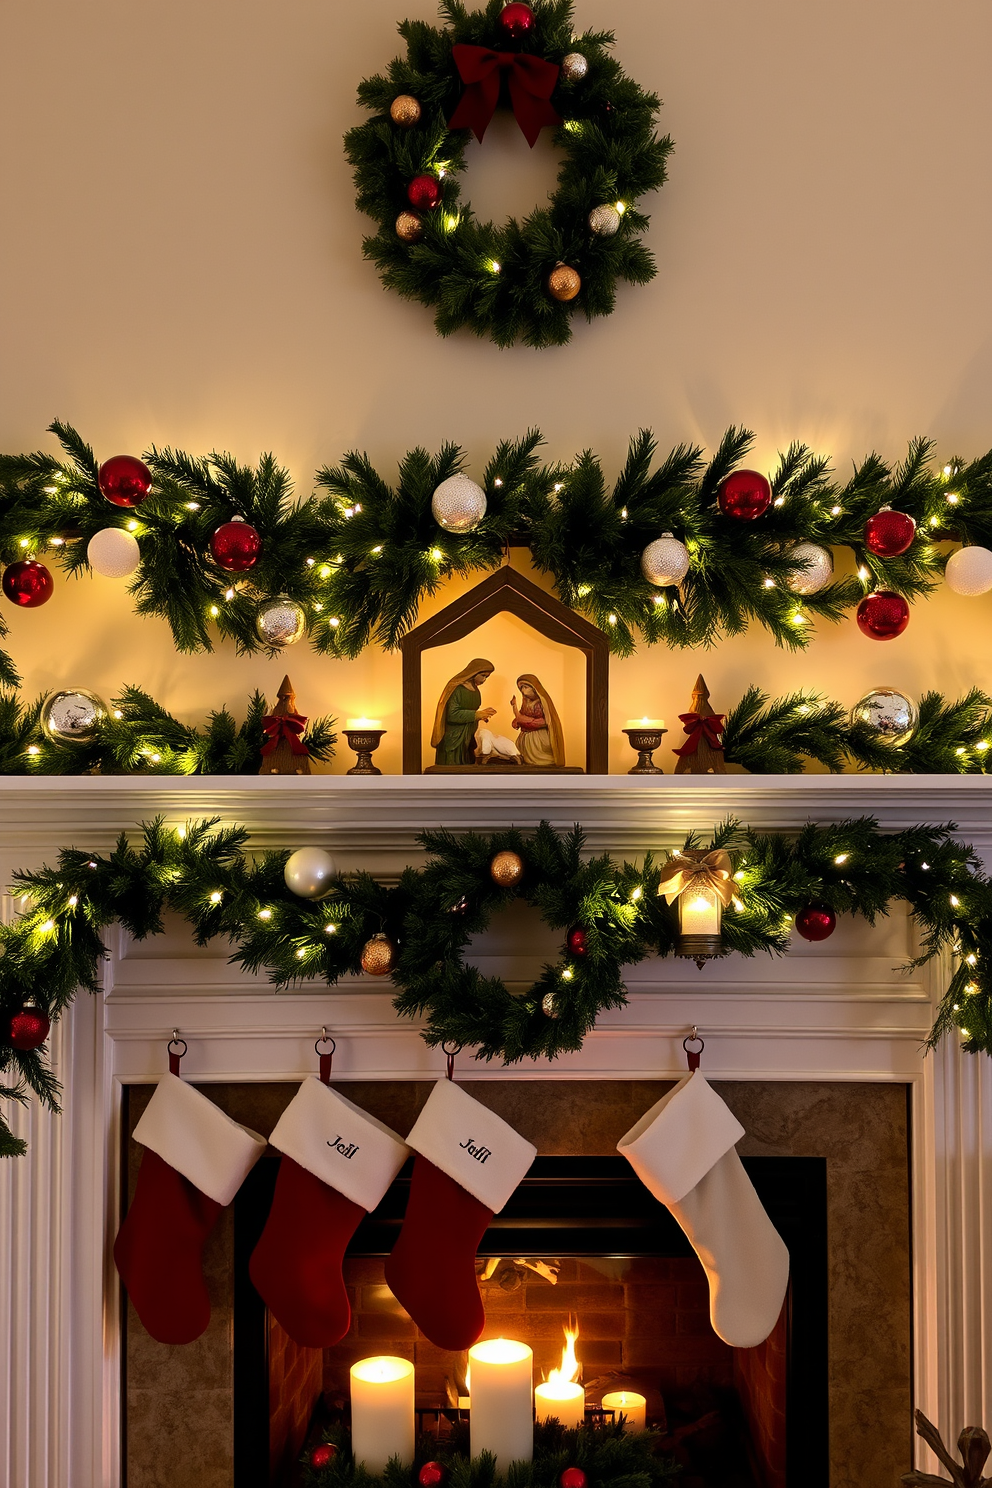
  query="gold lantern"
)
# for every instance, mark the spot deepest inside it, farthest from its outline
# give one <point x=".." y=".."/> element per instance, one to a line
<point x="702" y="883"/>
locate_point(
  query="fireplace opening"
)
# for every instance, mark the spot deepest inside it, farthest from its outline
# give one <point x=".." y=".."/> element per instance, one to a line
<point x="581" y="1243"/>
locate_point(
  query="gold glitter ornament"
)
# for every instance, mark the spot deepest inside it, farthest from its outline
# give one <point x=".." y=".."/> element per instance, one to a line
<point x="405" y="111"/>
<point x="574" y="67"/>
<point x="506" y="869"/>
<point x="604" y="221"/>
<point x="280" y="621"/>
<point x="409" y="227"/>
<point x="563" y="283"/>
<point x="378" y="955"/>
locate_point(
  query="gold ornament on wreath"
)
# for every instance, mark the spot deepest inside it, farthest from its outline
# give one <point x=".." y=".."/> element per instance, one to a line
<point x="405" y="110"/>
<point x="564" y="283"/>
<point x="890" y="715"/>
<point x="378" y="955"/>
<point x="281" y="621"/>
<point x="507" y="869"/>
<point x="409" y="227"/>
<point x="72" y="716"/>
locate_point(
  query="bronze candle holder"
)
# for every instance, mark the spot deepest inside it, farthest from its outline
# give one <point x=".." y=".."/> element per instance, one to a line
<point x="364" y="742"/>
<point x="645" y="741"/>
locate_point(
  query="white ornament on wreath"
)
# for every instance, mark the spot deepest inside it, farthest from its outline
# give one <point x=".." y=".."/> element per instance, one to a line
<point x="817" y="571"/>
<point x="969" y="571"/>
<point x="309" y="872"/>
<point x="459" y="504"/>
<point x="604" y="221"/>
<point x="574" y="67"/>
<point x="113" y="552"/>
<point x="665" y="561"/>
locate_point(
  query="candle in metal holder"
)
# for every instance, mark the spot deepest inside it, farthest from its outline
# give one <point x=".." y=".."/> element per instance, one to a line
<point x="645" y="735"/>
<point x="363" y="735"/>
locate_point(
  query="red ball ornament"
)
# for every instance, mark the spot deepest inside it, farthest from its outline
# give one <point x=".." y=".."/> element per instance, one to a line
<point x="577" y="941"/>
<point x="745" y="495"/>
<point x="573" y="1477"/>
<point x="516" y="20"/>
<point x="883" y="615"/>
<point x="424" y="193"/>
<point x="236" y="546"/>
<point x="431" y="1475"/>
<point x="816" y="922"/>
<point x="322" y="1455"/>
<point x="28" y="1029"/>
<point x="28" y="584"/>
<point x="889" y="533"/>
<point x="124" y="480"/>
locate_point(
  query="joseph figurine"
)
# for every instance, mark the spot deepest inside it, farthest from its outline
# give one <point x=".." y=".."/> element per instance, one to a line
<point x="459" y="713"/>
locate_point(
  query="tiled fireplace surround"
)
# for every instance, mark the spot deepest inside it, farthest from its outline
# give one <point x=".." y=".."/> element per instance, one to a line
<point x="819" y="1054"/>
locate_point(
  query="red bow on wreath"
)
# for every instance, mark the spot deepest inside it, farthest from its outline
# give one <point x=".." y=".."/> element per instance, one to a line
<point x="288" y="726"/>
<point x="697" y="727"/>
<point x="532" y="82"/>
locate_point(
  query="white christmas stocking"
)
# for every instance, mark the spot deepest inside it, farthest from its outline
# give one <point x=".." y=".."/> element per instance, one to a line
<point x="684" y="1151"/>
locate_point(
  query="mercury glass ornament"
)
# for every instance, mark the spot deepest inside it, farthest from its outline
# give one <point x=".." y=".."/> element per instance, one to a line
<point x="548" y="1007"/>
<point x="458" y="504"/>
<point x="889" y="714"/>
<point x="280" y="621"/>
<point x="409" y="227"/>
<point x="817" y="570"/>
<point x="604" y="221"/>
<point x="665" y="561"/>
<point x="72" y="716"/>
<point x="574" y="67"/>
<point x="969" y="571"/>
<point x="405" y="111"/>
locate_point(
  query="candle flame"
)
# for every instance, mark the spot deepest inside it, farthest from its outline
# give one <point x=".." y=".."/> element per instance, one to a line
<point x="701" y="902"/>
<point x="568" y="1372"/>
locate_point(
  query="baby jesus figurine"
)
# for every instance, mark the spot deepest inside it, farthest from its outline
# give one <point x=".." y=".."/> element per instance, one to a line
<point x="540" y="743"/>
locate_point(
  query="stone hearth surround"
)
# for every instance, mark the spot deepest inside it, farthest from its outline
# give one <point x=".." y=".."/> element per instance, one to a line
<point x="838" y="1013"/>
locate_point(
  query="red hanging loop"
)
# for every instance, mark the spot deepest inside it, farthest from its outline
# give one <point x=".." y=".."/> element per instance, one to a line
<point x="451" y="1052"/>
<point x="325" y="1059"/>
<point x="693" y="1056"/>
<point x="173" y="1057"/>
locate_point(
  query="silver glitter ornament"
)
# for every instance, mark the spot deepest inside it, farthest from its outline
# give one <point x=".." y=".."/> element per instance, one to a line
<point x="458" y="504"/>
<point x="574" y="67"/>
<point x="817" y="571"/>
<point x="604" y="221"/>
<point x="280" y="621"/>
<point x="665" y="561"/>
<point x="72" y="717"/>
<point x="548" y="1005"/>
<point x="889" y="714"/>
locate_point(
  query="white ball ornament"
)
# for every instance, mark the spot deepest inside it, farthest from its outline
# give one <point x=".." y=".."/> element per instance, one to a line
<point x="574" y="66"/>
<point x="113" y="552"/>
<point x="969" y="571"/>
<point x="458" y="504"/>
<point x="665" y="561"/>
<point x="817" y="570"/>
<point x="309" y="872"/>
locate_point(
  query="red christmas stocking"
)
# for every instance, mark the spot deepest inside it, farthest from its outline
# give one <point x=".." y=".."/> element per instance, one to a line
<point x="337" y="1163"/>
<point x="195" y="1161"/>
<point x="469" y="1161"/>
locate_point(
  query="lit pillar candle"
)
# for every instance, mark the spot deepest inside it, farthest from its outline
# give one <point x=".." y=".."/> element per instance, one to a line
<point x="502" y="1416"/>
<point x="700" y="911"/>
<point x="561" y="1398"/>
<point x="632" y="1407"/>
<point x="382" y="1411"/>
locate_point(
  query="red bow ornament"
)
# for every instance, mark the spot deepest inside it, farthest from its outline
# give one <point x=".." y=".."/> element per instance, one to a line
<point x="532" y="81"/>
<point x="288" y="726"/>
<point x="697" y="728"/>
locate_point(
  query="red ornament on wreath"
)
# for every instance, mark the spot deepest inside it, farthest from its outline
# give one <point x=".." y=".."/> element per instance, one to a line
<point x="236" y="545"/>
<point x="28" y="1029"/>
<point x="745" y="495"/>
<point x="889" y="534"/>
<point x="516" y="20"/>
<point x="124" y="480"/>
<point x="573" y="1477"/>
<point x="883" y="615"/>
<point x="431" y="1475"/>
<point x="27" y="583"/>
<point x="816" y="921"/>
<point x="323" y="1455"/>
<point x="577" y="941"/>
<point x="424" y="193"/>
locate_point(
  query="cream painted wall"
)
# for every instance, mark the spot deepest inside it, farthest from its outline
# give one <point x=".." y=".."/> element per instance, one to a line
<point x="181" y="264"/>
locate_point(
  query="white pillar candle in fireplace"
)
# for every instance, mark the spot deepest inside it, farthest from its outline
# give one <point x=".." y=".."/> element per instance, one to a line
<point x="560" y="1398"/>
<point x="628" y="1404"/>
<point x="382" y="1411"/>
<point x="502" y="1417"/>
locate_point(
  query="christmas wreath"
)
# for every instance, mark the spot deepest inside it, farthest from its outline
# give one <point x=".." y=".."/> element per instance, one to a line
<point x="518" y="280"/>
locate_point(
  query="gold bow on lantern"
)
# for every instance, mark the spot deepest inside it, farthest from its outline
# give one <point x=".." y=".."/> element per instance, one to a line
<point x="693" y="868"/>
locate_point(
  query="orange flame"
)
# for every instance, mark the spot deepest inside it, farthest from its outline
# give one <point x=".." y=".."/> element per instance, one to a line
<point x="568" y="1372"/>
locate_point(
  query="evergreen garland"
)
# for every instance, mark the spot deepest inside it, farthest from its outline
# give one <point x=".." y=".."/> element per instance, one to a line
<point x="204" y="873"/>
<point x="492" y="278"/>
<point x="361" y="554"/>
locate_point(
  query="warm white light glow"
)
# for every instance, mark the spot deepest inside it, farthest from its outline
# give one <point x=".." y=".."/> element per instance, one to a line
<point x="502" y="1420"/>
<point x="216" y="896"/>
<point x="629" y="1404"/>
<point x="382" y="1415"/>
<point x="645" y="723"/>
<point x="382" y="1370"/>
<point x="560" y="1395"/>
<point x="363" y="723"/>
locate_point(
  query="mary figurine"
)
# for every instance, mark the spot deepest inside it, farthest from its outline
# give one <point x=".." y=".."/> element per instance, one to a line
<point x="541" y="743"/>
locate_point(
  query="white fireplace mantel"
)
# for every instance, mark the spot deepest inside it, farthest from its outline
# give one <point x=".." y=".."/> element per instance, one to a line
<point x="844" y="1010"/>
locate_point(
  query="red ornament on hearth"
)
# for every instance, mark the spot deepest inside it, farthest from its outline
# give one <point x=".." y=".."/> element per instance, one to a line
<point x="516" y="20"/>
<point x="236" y="545"/>
<point x="577" y="941"/>
<point x="745" y="495"/>
<point x="888" y="534"/>
<point x="124" y="480"/>
<point x="28" y="584"/>
<point x="28" y="1029"/>
<point x="431" y="1475"/>
<point x="424" y="193"/>
<point x="324" y="1454"/>
<point x="883" y="615"/>
<point x="816" y="921"/>
<point x="573" y="1477"/>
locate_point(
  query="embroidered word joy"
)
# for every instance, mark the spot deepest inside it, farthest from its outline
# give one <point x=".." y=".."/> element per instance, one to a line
<point x="479" y="1153"/>
<point x="346" y="1149"/>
